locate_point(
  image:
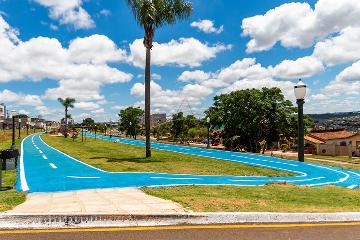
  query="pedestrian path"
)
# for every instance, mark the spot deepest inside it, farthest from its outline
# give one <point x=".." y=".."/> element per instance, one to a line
<point x="117" y="201"/>
<point x="45" y="169"/>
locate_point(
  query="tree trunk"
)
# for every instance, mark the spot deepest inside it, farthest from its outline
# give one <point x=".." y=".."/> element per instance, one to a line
<point x="147" y="102"/>
<point x="66" y="114"/>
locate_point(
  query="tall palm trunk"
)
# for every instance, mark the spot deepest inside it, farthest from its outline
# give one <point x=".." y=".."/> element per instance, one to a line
<point x="147" y="101"/>
<point x="66" y="114"/>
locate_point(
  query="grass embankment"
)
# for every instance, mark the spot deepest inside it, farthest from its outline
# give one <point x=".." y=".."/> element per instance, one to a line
<point x="9" y="198"/>
<point x="270" y="198"/>
<point x="117" y="157"/>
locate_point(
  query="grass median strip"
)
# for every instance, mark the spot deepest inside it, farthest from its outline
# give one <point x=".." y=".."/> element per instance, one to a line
<point x="118" y="157"/>
<point x="269" y="198"/>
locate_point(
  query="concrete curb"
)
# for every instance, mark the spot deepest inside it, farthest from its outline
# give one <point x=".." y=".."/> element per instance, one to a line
<point x="12" y="221"/>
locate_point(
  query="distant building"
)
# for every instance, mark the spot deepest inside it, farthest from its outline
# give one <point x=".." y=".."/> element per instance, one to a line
<point x="155" y="119"/>
<point x="2" y="112"/>
<point x="69" y="121"/>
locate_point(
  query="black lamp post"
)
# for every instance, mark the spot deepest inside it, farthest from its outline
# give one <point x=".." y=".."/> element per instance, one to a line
<point x="19" y="128"/>
<point x="13" y="115"/>
<point x="300" y="93"/>
<point x="95" y="131"/>
<point x="208" y="132"/>
<point x="27" y="126"/>
<point x="82" y="133"/>
<point x="131" y="134"/>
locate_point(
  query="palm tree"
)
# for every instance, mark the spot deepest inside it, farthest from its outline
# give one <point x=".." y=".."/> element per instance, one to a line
<point x="153" y="14"/>
<point x="67" y="103"/>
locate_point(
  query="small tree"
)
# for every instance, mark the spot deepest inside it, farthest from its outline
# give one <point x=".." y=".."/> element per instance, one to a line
<point x="130" y="120"/>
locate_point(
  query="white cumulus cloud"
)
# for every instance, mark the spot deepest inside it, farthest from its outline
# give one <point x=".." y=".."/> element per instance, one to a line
<point x="183" y="52"/>
<point x="298" y="25"/>
<point x="68" y="12"/>
<point x="207" y="26"/>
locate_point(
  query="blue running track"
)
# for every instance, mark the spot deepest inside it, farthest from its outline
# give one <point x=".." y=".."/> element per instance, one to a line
<point x="45" y="169"/>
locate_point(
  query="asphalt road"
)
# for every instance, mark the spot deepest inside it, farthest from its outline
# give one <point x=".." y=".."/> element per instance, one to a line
<point x="212" y="232"/>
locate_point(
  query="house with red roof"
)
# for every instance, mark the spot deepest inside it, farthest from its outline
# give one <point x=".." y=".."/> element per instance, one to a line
<point x="336" y="142"/>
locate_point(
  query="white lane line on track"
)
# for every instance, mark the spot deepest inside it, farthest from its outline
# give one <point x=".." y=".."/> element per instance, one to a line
<point x="357" y="174"/>
<point x="263" y="160"/>
<point x="41" y="152"/>
<point x="328" y="183"/>
<point x="256" y="180"/>
<point x="175" y="178"/>
<point x="82" y="177"/>
<point x="44" y="157"/>
<point x="53" y="165"/>
<point x="352" y="186"/>
<point x="23" y="183"/>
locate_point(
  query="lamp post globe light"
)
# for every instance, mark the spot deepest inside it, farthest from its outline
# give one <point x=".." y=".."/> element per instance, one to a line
<point x="208" y="132"/>
<point x="300" y="93"/>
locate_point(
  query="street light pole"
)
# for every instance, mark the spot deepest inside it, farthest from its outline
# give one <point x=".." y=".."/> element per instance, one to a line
<point x="300" y="93"/>
<point x="95" y="131"/>
<point x="13" y="146"/>
<point x="130" y="123"/>
<point x="82" y="133"/>
<point x="19" y="128"/>
<point x="208" y="132"/>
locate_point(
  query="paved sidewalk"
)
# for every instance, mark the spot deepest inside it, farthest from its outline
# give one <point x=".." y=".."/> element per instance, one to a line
<point x="97" y="201"/>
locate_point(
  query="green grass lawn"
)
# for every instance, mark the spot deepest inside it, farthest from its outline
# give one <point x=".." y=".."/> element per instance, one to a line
<point x="270" y="198"/>
<point x="117" y="157"/>
<point x="10" y="198"/>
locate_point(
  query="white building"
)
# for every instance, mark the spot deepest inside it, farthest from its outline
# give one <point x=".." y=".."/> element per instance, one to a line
<point x="2" y="112"/>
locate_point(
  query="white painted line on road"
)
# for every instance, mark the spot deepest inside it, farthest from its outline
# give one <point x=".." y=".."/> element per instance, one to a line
<point x="176" y="178"/>
<point x="23" y="182"/>
<point x="52" y="165"/>
<point x="357" y="174"/>
<point x="44" y="157"/>
<point x="352" y="186"/>
<point x="82" y="177"/>
<point x="40" y="151"/>
<point x="257" y="180"/>
<point x="37" y="148"/>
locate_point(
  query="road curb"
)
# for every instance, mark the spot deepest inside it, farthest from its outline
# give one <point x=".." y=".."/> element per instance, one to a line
<point x="12" y="221"/>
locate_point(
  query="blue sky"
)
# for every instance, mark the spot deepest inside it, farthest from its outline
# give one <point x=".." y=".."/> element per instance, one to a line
<point x="91" y="50"/>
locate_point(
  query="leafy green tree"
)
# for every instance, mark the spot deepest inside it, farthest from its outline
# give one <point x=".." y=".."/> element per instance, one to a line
<point x="67" y="103"/>
<point x="253" y="116"/>
<point x="153" y="14"/>
<point x="178" y="124"/>
<point x="130" y="120"/>
<point x="88" y="122"/>
<point x="191" y="121"/>
<point x="193" y="133"/>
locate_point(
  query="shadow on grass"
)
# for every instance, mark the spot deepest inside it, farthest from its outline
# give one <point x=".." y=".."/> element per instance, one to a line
<point x="127" y="159"/>
<point x="4" y="188"/>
